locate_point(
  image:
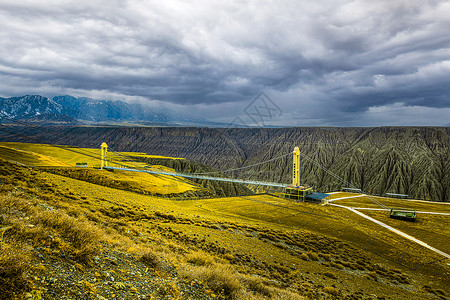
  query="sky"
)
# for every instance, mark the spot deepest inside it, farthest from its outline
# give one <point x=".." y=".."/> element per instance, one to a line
<point x="260" y="63"/>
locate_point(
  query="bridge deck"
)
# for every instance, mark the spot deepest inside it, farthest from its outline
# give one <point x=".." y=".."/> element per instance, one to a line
<point x="202" y="177"/>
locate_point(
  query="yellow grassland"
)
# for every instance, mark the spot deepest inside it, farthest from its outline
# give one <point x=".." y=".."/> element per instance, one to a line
<point x="139" y="182"/>
<point x="51" y="155"/>
<point x="370" y="202"/>
<point x="257" y="226"/>
<point x="341" y="195"/>
<point x="432" y="229"/>
<point x="28" y="157"/>
<point x="64" y="156"/>
<point x="317" y="251"/>
<point x="153" y="183"/>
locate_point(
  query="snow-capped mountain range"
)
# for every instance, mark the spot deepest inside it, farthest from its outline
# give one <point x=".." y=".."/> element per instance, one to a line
<point x="70" y="110"/>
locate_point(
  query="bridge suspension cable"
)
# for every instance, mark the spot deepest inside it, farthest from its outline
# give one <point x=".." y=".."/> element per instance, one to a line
<point x="245" y="167"/>
<point x="149" y="169"/>
<point x="342" y="180"/>
<point x="4" y="116"/>
<point x="125" y="158"/>
<point x="195" y="176"/>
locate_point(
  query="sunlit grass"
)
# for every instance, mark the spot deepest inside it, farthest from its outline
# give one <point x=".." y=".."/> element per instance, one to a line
<point x="51" y="155"/>
<point x="65" y="156"/>
<point x="27" y="157"/>
<point x="274" y="238"/>
<point x="258" y="211"/>
<point x="432" y="229"/>
<point x="371" y="202"/>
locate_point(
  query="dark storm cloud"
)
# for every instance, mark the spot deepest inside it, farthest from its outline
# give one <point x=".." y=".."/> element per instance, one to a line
<point x="322" y="62"/>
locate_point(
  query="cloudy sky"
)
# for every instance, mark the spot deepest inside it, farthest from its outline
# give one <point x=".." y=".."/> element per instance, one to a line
<point x="330" y="63"/>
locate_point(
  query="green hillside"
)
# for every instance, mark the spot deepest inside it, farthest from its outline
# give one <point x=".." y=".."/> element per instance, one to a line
<point x="69" y="237"/>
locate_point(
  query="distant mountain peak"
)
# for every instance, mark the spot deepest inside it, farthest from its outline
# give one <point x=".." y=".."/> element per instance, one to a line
<point x="87" y="110"/>
<point x="29" y="106"/>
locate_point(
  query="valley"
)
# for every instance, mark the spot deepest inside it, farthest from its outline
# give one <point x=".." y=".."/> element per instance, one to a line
<point x="404" y="160"/>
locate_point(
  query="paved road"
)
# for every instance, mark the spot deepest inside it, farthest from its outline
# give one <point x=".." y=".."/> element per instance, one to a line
<point x="407" y="236"/>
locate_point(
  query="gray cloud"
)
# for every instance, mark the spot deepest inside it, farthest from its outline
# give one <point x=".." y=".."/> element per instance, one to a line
<point x="325" y="64"/>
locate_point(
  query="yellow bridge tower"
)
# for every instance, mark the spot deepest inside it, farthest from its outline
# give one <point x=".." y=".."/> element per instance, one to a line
<point x="296" y="167"/>
<point x="103" y="150"/>
<point x="296" y="191"/>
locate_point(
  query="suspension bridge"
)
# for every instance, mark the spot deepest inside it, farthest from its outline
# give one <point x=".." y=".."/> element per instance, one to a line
<point x="252" y="182"/>
<point x="150" y="170"/>
<point x="295" y="189"/>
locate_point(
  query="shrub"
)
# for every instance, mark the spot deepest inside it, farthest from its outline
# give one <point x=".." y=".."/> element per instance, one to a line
<point x="326" y="257"/>
<point x="287" y="295"/>
<point x="151" y="259"/>
<point x="13" y="263"/>
<point x="168" y="291"/>
<point x="336" y="265"/>
<point x="220" y="279"/>
<point x="85" y="253"/>
<point x="313" y="256"/>
<point x="372" y="275"/>
<point x="304" y="256"/>
<point x="82" y="235"/>
<point x="77" y="231"/>
<point x="258" y="285"/>
<point x="229" y="256"/>
<point x="331" y="275"/>
<point x="89" y="287"/>
<point x="331" y="290"/>
<point x="200" y="259"/>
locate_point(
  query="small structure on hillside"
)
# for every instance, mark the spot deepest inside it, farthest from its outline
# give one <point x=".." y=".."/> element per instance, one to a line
<point x="403" y="214"/>
<point x="299" y="192"/>
<point x="399" y="196"/>
<point x="351" y="190"/>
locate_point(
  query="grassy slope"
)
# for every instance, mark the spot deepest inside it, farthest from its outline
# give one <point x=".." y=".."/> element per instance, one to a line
<point x="26" y="157"/>
<point x="264" y="228"/>
<point x="64" y="156"/>
<point x="432" y="229"/>
<point x="418" y="205"/>
<point x="139" y="182"/>
<point x="316" y="250"/>
<point x="230" y="236"/>
<point x="49" y="155"/>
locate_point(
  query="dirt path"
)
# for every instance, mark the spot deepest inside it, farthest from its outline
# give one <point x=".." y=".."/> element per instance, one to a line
<point x="407" y="236"/>
<point x="349" y="197"/>
<point x="419" y="212"/>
